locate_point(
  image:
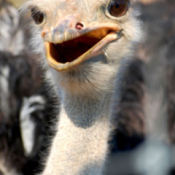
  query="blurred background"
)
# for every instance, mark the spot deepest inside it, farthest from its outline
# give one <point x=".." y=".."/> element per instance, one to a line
<point x="17" y="3"/>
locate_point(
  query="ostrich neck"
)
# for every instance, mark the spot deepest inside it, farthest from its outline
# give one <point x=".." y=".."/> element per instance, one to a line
<point x="80" y="145"/>
<point x="84" y="110"/>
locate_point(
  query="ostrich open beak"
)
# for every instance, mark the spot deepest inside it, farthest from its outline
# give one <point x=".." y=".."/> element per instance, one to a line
<point x="69" y="53"/>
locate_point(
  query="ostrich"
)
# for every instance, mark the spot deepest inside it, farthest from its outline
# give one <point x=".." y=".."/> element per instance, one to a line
<point x="25" y="106"/>
<point x="129" y="104"/>
<point x="84" y="42"/>
<point x="145" y="105"/>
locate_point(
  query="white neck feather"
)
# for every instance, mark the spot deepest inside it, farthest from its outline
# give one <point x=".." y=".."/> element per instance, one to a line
<point x="81" y="143"/>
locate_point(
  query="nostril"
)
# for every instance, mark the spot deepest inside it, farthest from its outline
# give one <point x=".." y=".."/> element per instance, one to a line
<point x="79" y="26"/>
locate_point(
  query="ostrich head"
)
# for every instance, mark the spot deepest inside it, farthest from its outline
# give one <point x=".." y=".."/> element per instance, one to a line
<point x="85" y="36"/>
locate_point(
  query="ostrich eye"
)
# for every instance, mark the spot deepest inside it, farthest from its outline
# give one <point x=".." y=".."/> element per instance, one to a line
<point x="37" y="15"/>
<point x="118" y="8"/>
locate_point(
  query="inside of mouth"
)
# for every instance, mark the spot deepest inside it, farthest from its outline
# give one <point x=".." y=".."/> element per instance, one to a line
<point x="70" y="50"/>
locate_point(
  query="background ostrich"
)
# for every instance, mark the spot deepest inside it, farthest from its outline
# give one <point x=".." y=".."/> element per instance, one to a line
<point x="27" y="101"/>
<point x="145" y="107"/>
<point x="84" y="43"/>
<point x="155" y="49"/>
